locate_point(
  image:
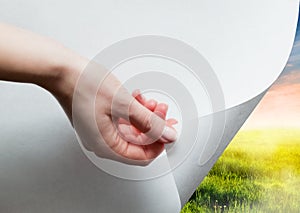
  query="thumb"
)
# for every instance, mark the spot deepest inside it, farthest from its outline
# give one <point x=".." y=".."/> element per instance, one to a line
<point x="150" y="123"/>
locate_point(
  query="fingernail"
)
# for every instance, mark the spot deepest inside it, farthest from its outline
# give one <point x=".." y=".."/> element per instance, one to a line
<point x="169" y="134"/>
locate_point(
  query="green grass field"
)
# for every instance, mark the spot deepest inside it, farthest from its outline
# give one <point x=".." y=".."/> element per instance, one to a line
<point x="258" y="172"/>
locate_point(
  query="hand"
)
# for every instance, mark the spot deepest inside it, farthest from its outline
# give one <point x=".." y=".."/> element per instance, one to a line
<point x="128" y="127"/>
<point x="134" y="135"/>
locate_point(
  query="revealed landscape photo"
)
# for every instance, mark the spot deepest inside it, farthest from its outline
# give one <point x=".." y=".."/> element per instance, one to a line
<point x="260" y="169"/>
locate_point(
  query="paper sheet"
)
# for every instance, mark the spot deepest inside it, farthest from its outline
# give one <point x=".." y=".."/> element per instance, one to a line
<point x="43" y="168"/>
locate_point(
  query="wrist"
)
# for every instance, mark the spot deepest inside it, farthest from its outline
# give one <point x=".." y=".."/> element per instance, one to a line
<point x="63" y="83"/>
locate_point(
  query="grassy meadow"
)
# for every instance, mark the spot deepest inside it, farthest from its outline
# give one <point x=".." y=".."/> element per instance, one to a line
<point x="258" y="172"/>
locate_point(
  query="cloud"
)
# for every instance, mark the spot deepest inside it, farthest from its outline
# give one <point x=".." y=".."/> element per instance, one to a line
<point x="292" y="77"/>
<point x="294" y="59"/>
<point x="296" y="43"/>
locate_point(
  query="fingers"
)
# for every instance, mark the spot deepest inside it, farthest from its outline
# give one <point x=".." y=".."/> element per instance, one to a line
<point x="171" y="121"/>
<point x="150" y="123"/>
<point x="149" y="104"/>
<point x="129" y="151"/>
<point x="130" y="142"/>
<point x="139" y="97"/>
<point x="132" y="134"/>
<point x="146" y="152"/>
<point x="159" y="109"/>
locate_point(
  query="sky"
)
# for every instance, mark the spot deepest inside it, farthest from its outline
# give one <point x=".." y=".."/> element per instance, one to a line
<point x="280" y="107"/>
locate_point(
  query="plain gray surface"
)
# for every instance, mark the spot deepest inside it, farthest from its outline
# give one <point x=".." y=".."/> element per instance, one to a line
<point x="43" y="168"/>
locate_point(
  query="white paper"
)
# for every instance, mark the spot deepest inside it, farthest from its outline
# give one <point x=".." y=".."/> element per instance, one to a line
<point x="43" y="168"/>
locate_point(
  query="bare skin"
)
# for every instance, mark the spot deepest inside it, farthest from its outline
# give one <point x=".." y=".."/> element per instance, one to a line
<point x="30" y="58"/>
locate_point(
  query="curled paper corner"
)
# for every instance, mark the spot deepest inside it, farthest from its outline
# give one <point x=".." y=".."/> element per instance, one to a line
<point x="197" y="165"/>
<point x="233" y="119"/>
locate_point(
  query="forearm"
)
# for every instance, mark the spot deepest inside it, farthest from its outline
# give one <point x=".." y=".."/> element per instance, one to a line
<point x="31" y="58"/>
